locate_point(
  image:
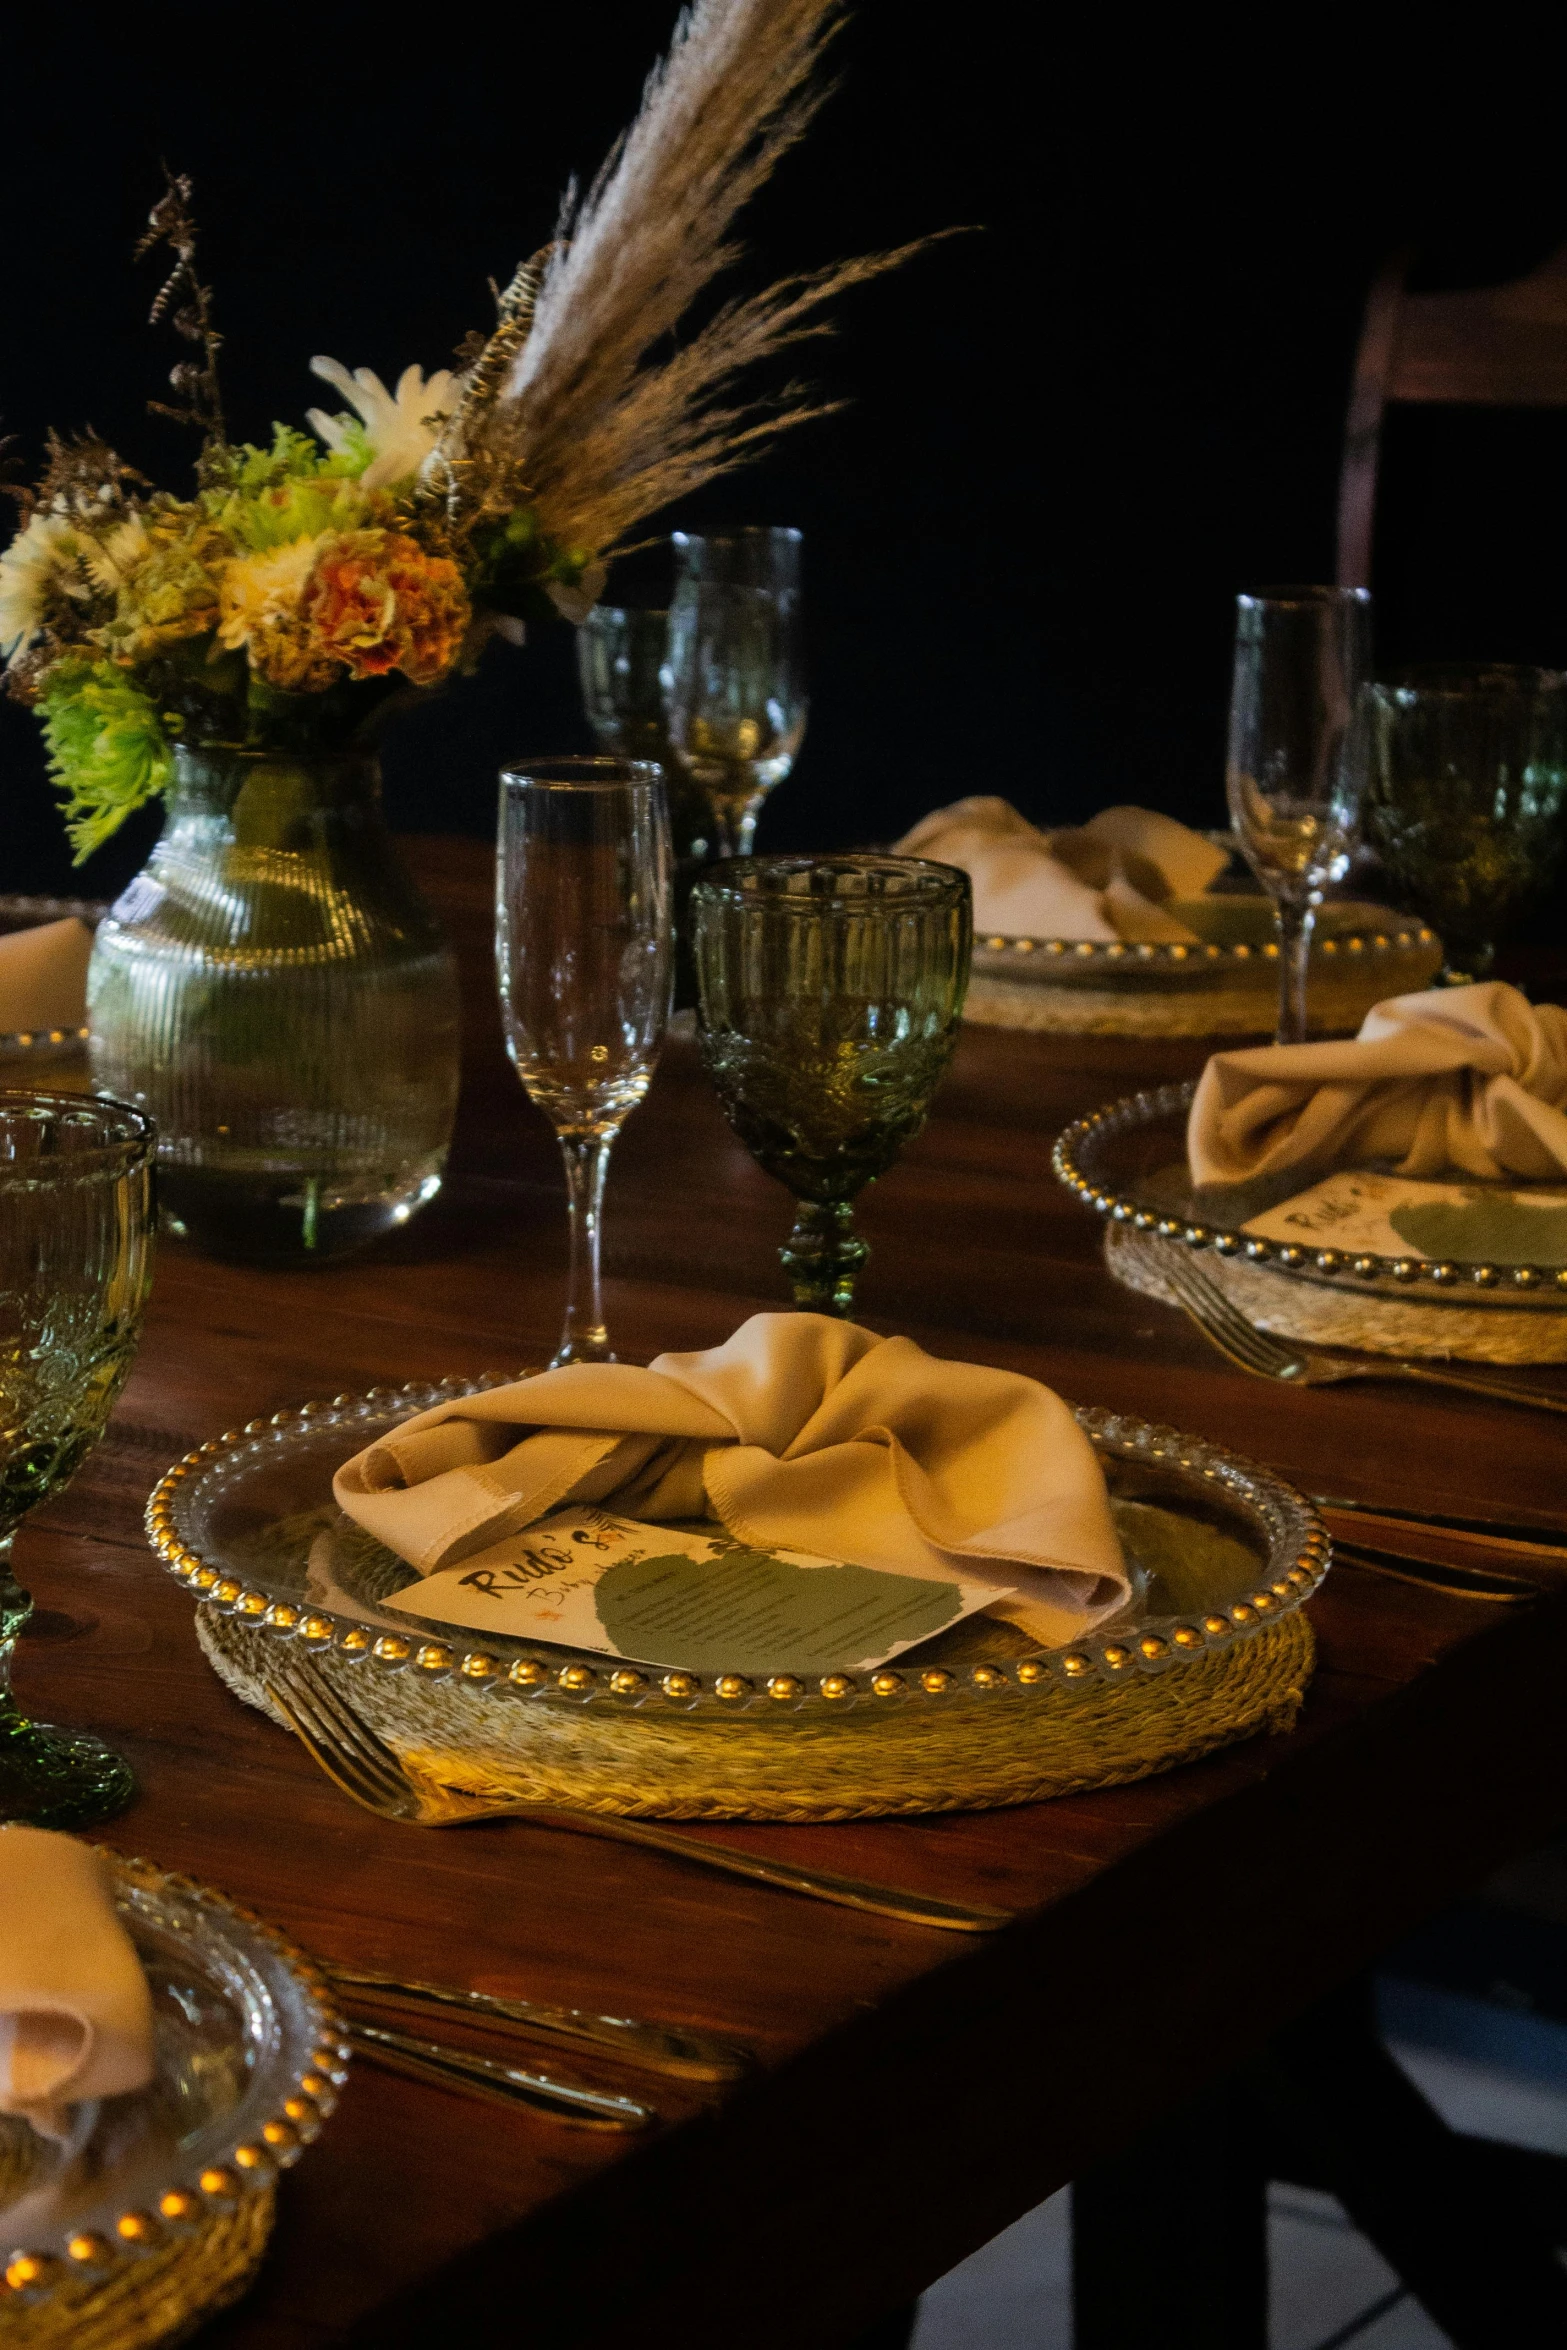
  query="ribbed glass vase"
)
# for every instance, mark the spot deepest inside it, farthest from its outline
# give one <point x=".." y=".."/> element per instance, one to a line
<point x="274" y="990"/>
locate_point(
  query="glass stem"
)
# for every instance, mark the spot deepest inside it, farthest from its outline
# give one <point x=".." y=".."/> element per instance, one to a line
<point x="15" y="1608"/>
<point x="1296" y="919"/>
<point x="583" y="1337"/>
<point x="822" y="1256"/>
<point x="734" y="821"/>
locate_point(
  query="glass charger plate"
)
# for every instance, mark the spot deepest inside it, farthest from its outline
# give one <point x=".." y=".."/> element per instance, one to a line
<point x="1236" y="949"/>
<point x="1128" y="1162"/>
<point x="249" y="2056"/>
<point x="1220" y="1549"/>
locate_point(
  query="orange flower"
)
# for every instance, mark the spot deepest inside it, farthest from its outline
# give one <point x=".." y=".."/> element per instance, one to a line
<point x="376" y="601"/>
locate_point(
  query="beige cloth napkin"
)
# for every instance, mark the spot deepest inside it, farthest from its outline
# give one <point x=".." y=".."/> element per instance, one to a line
<point x="43" y="976"/>
<point x="1107" y="879"/>
<point x="799" y="1433"/>
<point x="1466" y="1080"/>
<point x="75" y="2011"/>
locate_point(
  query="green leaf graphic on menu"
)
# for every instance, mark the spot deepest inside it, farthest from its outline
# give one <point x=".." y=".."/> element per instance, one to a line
<point x="1490" y="1228"/>
<point x="748" y="1612"/>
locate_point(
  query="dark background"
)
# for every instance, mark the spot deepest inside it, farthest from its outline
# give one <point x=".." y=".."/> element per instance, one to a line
<point x="1080" y="430"/>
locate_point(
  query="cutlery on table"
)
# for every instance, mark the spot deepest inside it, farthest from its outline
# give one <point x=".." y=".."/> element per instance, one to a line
<point x="498" y="2084"/>
<point x="1547" y="1543"/>
<point x="1437" y="1575"/>
<point x="367" y="1770"/>
<point x="660" y="2048"/>
<point x="1267" y="1357"/>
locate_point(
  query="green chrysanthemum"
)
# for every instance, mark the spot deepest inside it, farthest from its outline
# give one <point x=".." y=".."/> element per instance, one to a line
<point x="109" y="748"/>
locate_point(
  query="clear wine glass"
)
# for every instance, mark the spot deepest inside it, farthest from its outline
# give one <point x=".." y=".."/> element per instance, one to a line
<point x="75" y="1269"/>
<point x="582" y="952"/>
<point x="622" y="650"/>
<point x="831" y="990"/>
<point x="1301" y="657"/>
<point x="733" y="677"/>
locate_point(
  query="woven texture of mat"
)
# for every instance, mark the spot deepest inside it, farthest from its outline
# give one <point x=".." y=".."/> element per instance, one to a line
<point x="1319" y="1316"/>
<point x="1336" y="1004"/>
<point x="160" y="2299"/>
<point x="1006" y="1746"/>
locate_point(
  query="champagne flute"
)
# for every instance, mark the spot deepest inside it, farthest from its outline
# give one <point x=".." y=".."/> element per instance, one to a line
<point x="75" y="1268"/>
<point x="831" y="989"/>
<point x="734" y="675"/>
<point x="1301" y="656"/>
<point x="1466" y="798"/>
<point x="582" y="952"/>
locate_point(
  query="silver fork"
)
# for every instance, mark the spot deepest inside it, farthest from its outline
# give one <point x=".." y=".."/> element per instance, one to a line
<point x="367" y="1769"/>
<point x="1267" y="1357"/>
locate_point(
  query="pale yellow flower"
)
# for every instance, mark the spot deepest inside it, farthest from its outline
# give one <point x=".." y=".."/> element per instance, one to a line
<point x="42" y="566"/>
<point x="260" y="614"/>
<point x="400" y="427"/>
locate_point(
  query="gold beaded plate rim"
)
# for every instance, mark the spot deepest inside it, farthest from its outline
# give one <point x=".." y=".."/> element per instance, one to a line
<point x="1295" y="1546"/>
<point x="1079" y="1159"/>
<point x="1163" y="963"/>
<point x="297" y="2059"/>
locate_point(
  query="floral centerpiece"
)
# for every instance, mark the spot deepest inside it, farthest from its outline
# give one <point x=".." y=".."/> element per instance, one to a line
<point x="271" y="986"/>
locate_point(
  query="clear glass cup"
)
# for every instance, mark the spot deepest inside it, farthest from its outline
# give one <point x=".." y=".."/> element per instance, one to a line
<point x="733" y="679"/>
<point x="583" y="957"/>
<point x="1466" y="798"/>
<point x="831" y="990"/>
<point x="622" y="650"/>
<point x="1293" y="776"/>
<point x="75" y="1269"/>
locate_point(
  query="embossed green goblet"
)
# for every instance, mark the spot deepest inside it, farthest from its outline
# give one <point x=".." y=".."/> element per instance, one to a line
<point x="831" y="989"/>
<point x="75" y="1266"/>
<point x="1466" y="798"/>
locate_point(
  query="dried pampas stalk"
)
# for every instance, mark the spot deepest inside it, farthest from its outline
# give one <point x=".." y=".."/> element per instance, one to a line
<point x="605" y="436"/>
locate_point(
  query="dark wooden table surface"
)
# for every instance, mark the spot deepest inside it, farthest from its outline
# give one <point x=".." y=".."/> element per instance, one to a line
<point x="918" y="2091"/>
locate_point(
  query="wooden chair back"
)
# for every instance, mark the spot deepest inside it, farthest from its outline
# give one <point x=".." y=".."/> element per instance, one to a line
<point x="1498" y="347"/>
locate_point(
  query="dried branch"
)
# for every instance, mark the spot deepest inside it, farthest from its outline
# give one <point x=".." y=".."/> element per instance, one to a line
<point x="187" y="304"/>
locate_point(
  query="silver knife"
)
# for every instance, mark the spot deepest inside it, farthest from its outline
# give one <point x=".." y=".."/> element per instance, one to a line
<point x="499" y="2084"/>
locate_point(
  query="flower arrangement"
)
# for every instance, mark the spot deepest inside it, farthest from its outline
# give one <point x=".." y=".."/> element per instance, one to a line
<point x="310" y="581"/>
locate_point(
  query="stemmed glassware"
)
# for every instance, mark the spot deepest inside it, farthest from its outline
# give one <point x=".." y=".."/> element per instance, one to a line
<point x="622" y="650"/>
<point x="75" y="1268"/>
<point x="1466" y="798"/>
<point x="1301" y="657"/>
<point x="831" y="989"/>
<point x="733" y="680"/>
<point x="582" y="950"/>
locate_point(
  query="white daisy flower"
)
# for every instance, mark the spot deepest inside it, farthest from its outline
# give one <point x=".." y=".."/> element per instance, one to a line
<point x="41" y="562"/>
<point x="398" y="425"/>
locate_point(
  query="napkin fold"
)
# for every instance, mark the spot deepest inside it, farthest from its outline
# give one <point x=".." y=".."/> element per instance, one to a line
<point x="1465" y="1079"/>
<point x="798" y="1433"/>
<point x="1110" y="878"/>
<point x="43" y="976"/>
<point x="75" y="2011"/>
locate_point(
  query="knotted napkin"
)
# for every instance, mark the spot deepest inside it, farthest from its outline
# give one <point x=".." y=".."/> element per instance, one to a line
<point x="1465" y="1080"/>
<point x="1110" y="878"/>
<point x="43" y="976"/>
<point x="798" y="1433"/>
<point x="75" y="2011"/>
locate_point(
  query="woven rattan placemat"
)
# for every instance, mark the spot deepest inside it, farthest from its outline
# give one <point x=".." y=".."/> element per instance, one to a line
<point x="1010" y="1745"/>
<point x="161" y="2298"/>
<point x="1321" y="1316"/>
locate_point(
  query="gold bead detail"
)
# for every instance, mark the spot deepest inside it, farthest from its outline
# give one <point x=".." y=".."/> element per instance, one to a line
<point x="90" y="2249"/>
<point x="1076" y="1665"/>
<point x="355" y="1640"/>
<point x="626" y="1683"/>
<point x="836" y="1685"/>
<point x="137" y="2227"/>
<point x="179" y="2203"/>
<point x="281" y="1617"/>
<point x="1031" y="1670"/>
<point x="731" y="1685"/>
<point x="988" y="1677"/>
<point x="26" y="2270"/>
<point x="1185" y="1637"/>
<point x="280" y="2134"/>
<point x="784" y="1686"/>
<point x="1242" y="1614"/>
<point x="434" y="1657"/>
<point x="886" y="1684"/>
<point x="1214" y="1625"/>
<point x="226" y="1592"/>
<point x="251" y="1603"/>
<point x="218" y="2182"/>
<point x="1116" y="1655"/>
<point x="476" y="1666"/>
<point x="392" y="1649"/>
<point x="576" y="1678"/>
<point x="1151" y="1645"/>
<point x="681" y="1684"/>
<point x="936" y="1680"/>
<point x="526" y="1673"/>
<point x="251" y="2157"/>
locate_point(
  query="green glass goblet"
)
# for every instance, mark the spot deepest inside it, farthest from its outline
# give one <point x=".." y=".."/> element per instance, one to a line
<point x="75" y="1267"/>
<point x="1465" y="799"/>
<point x="830" y="993"/>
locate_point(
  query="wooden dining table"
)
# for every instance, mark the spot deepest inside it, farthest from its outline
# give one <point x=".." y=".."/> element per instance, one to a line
<point x="915" y="2091"/>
